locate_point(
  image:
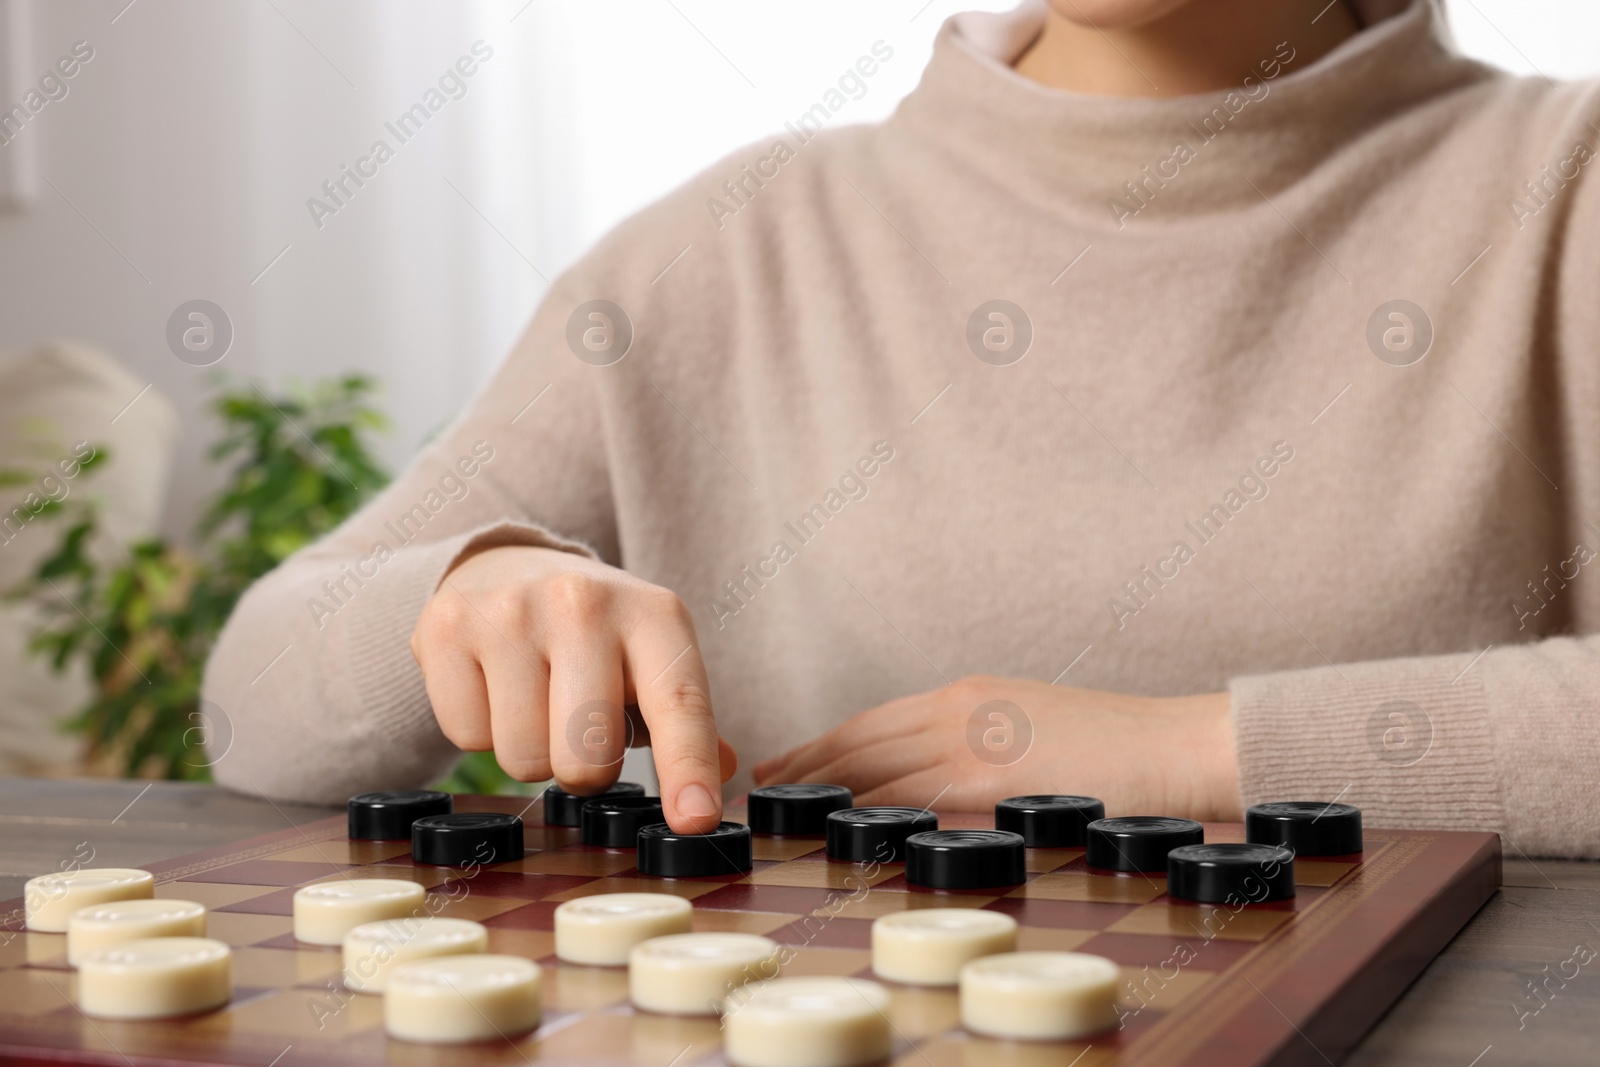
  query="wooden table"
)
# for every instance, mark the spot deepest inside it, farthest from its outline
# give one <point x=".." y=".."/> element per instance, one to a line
<point x="1462" y="1012"/>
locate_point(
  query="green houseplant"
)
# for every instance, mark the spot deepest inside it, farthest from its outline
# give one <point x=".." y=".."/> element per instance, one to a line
<point x="296" y="466"/>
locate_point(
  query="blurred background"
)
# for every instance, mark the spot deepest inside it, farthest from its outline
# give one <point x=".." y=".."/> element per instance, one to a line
<point x="186" y="263"/>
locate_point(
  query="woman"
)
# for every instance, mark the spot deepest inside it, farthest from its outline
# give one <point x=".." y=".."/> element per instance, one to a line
<point x="1185" y="404"/>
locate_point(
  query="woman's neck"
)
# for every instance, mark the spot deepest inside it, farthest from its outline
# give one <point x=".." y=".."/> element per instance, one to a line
<point x="1202" y="46"/>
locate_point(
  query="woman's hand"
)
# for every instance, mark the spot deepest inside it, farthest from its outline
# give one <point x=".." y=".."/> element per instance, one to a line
<point x="534" y="652"/>
<point x="980" y="740"/>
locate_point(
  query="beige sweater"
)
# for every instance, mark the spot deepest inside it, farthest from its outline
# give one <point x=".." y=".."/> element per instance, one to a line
<point x="1200" y="474"/>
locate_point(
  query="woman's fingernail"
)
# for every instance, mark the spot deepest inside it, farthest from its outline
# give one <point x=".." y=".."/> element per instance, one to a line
<point x="695" y="802"/>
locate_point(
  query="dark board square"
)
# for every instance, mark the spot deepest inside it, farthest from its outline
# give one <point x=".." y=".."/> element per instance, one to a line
<point x="244" y="994"/>
<point x="540" y="915"/>
<point x="772" y="847"/>
<point x="898" y="884"/>
<point x="1302" y="899"/>
<point x="492" y="883"/>
<point x="402" y="860"/>
<point x="56" y="963"/>
<point x="819" y="855"/>
<point x="793" y="900"/>
<point x="1062" y="914"/>
<point x="277" y="902"/>
<point x="288" y="941"/>
<point x="756" y="867"/>
<point x="506" y="804"/>
<point x="273" y="872"/>
<point x="550" y="838"/>
<point x="823" y="931"/>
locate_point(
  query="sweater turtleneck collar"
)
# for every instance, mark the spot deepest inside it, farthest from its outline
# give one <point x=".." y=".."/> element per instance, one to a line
<point x="1076" y="149"/>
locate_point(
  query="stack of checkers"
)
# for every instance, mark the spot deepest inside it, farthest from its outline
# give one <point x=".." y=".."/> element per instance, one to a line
<point x="141" y="958"/>
<point x="137" y="957"/>
<point x="438" y="981"/>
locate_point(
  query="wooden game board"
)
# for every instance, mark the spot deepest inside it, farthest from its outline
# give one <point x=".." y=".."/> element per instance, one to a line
<point x="1293" y="983"/>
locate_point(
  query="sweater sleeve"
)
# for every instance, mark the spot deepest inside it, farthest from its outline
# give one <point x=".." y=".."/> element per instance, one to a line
<point x="1506" y="739"/>
<point x="312" y="690"/>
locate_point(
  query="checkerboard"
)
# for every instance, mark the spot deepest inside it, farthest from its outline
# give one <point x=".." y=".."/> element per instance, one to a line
<point x="1284" y="983"/>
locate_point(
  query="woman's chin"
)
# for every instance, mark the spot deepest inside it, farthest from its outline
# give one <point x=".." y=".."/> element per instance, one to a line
<point x="1116" y="14"/>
